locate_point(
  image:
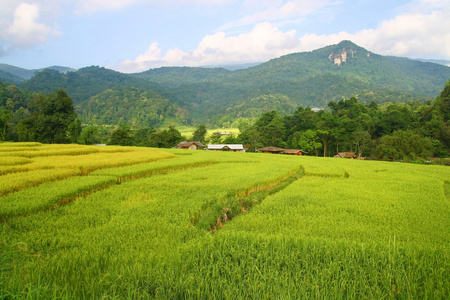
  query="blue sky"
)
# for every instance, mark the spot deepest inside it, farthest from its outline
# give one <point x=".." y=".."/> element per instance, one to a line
<point x="136" y="35"/>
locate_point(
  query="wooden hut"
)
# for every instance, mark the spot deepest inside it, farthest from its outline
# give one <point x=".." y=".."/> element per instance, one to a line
<point x="274" y="150"/>
<point x="293" y="152"/>
<point x="189" y="145"/>
<point x="351" y="155"/>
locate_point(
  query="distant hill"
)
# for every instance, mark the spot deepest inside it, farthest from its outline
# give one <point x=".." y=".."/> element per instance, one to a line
<point x="19" y="72"/>
<point x="303" y="79"/>
<point x="178" y="76"/>
<point x="84" y="83"/>
<point x="129" y="105"/>
<point x="436" y="61"/>
<point x="26" y="74"/>
<point x="235" y="66"/>
<point x="10" y="78"/>
<point x="312" y="79"/>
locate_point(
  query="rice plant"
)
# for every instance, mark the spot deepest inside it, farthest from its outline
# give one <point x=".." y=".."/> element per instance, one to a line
<point x="339" y="229"/>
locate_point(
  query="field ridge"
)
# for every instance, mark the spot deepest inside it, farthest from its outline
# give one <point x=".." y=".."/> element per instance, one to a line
<point x="214" y="217"/>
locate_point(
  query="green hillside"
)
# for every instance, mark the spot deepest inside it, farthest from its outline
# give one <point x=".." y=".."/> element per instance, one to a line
<point x="309" y="79"/>
<point x="304" y="79"/>
<point x="82" y="84"/>
<point x="178" y="76"/>
<point x="129" y="105"/>
<point x="10" y="78"/>
<point x="26" y="74"/>
<point x="19" y="72"/>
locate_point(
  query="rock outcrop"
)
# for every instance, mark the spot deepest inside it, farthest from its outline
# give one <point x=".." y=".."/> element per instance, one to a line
<point x="341" y="56"/>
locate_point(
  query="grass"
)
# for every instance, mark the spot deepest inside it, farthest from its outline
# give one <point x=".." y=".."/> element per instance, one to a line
<point x="218" y="225"/>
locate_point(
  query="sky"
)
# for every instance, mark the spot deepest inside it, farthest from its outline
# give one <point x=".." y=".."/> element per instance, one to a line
<point x="136" y="35"/>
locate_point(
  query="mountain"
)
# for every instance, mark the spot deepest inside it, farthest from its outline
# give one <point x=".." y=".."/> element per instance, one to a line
<point x="10" y="78"/>
<point x="235" y="66"/>
<point x="178" y="76"/>
<point x="26" y="74"/>
<point x="84" y="83"/>
<point x="312" y="79"/>
<point x="218" y="95"/>
<point x="436" y="61"/>
<point x="129" y="105"/>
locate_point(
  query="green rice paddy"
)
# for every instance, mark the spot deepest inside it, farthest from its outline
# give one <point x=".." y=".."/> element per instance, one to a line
<point x="179" y="224"/>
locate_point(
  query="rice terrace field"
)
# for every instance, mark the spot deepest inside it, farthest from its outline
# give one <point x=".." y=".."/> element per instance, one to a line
<point x="91" y="222"/>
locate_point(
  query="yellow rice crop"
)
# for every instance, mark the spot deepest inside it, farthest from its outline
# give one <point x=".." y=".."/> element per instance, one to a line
<point x="41" y="163"/>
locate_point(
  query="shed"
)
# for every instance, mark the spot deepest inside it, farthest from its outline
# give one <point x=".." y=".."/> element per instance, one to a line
<point x="351" y="155"/>
<point x="294" y="152"/>
<point x="189" y="145"/>
<point x="226" y="147"/>
<point x="275" y="150"/>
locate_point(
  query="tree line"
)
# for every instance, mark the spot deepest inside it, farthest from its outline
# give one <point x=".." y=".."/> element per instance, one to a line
<point x="391" y="131"/>
<point x="405" y="132"/>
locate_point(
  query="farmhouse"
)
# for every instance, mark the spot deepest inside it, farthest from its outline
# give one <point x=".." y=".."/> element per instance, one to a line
<point x="226" y="147"/>
<point x="189" y="145"/>
<point x="276" y="150"/>
<point x="294" y="152"/>
<point x="351" y="155"/>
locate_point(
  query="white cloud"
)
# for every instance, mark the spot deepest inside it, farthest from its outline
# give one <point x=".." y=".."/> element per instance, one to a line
<point x="26" y="29"/>
<point x="417" y="32"/>
<point x="425" y="35"/>
<point x="264" y="42"/>
<point x="27" y="23"/>
<point x="91" y="6"/>
<point x="284" y="11"/>
<point x="151" y="56"/>
<point x="411" y="35"/>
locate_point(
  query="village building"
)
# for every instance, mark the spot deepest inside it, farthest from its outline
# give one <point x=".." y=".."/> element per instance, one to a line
<point x="276" y="150"/>
<point x="226" y="147"/>
<point x="351" y="155"/>
<point x="189" y="145"/>
<point x="294" y="152"/>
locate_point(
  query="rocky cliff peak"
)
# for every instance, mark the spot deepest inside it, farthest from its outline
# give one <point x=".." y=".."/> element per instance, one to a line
<point x="344" y="51"/>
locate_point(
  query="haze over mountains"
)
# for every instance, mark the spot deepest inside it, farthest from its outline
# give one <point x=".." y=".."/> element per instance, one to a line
<point x="219" y="95"/>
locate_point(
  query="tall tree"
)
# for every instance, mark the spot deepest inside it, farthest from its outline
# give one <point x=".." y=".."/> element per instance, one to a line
<point x="329" y="129"/>
<point x="215" y="138"/>
<point x="5" y="118"/>
<point x="53" y="120"/>
<point x="121" y="136"/>
<point x="361" y="140"/>
<point x="166" y="138"/>
<point x="271" y="129"/>
<point x="88" y="136"/>
<point x="200" y="134"/>
<point x="309" y="141"/>
<point x="404" y="145"/>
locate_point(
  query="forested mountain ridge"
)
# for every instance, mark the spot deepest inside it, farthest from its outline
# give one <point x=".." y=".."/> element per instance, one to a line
<point x="8" y="77"/>
<point x="217" y="96"/>
<point x="25" y="74"/>
<point x="314" y="79"/>
<point x="129" y="105"/>
<point x="178" y="76"/>
<point x="84" y="83"/>
<point x="409" y="131"/>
